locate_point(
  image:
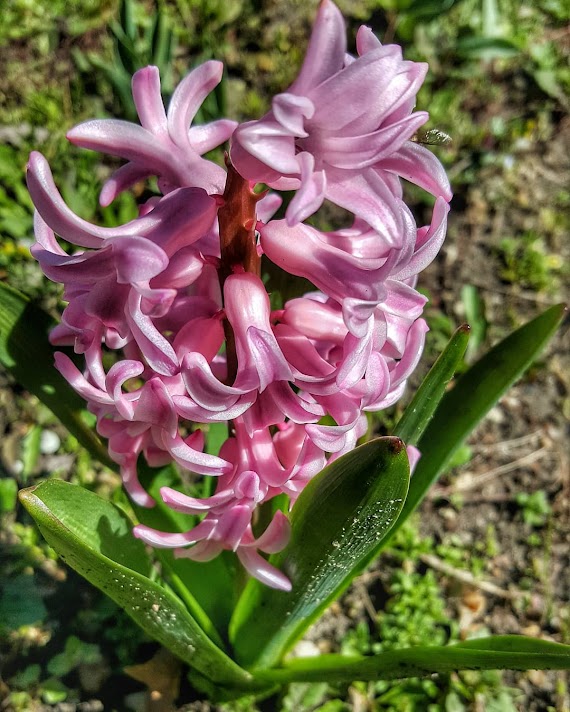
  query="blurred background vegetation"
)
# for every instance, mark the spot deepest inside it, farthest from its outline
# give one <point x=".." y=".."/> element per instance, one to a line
<point x="499" y="86"/>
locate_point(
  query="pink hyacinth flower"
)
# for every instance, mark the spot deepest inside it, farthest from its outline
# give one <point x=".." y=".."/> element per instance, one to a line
<point x="342" y="131"/>
<point x="164" y="145"/>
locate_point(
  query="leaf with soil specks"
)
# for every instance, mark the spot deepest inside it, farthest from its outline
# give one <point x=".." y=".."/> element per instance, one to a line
<point x="338" y="524"/>
<point x="94" y="538"/>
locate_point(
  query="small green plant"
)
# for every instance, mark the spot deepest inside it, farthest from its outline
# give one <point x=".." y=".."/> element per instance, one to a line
<point x="535" y="507"/>
<point x="134" y="46"/>
<point x="527" y="263"/>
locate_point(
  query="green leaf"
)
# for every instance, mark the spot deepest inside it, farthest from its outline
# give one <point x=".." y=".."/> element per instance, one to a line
<point x="53" y="691"/>
<point x="94" y="537"/>
<point x="338" y="524"/>
<point x="427" y="10"/>
<point x="27" y="354"/>
<point x="31" y="451"/>
<point x="505" y="652"/>
<point x="76" y="652"/>
<point x="8" y="494"/>
<point x="487" y="47"/>
<point x="474" y="394"/>
<point x="127" y="20"/>
<point x="21" y="602"/>
<point x="422" y="407"/>
<point x="475" y="314"/>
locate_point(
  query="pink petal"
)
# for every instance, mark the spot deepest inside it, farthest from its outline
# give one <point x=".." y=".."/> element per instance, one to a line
<point x="417" y="164"/>
<point x="206" y="137"/>
<point x="432" y="242"/>
<point x="357" y="152"/>
<point x="291" y="111"/>
<point x="202" y="551"/>
<point x="310" y="196"/>
<point x="366" y="40"/>
<point x="133" y="486"/>
<point x="156" y="349"/>
<point x="412" y="354"/>
<point x="276" y="537"/>
<point x="167" y="540"/>
<point x="194" y="460"/>
<point x="325" y="53"/>
<point x="204" y="388"/>
<point x="414" y="456"/>
<point x="367" y="196"/>
<point x="78" y="381"/>
<point x="129" y="141"/>
<point x="123" y="178"/>
<point x="148" y="100"/>
<point x="188" y="97"/>
<point x="137" y="259"/>
<point x="342" y="101"/>
<point x="262" y="570"/>
<point x="191" y="505"/>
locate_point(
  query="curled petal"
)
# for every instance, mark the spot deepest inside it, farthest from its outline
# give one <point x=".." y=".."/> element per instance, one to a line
<point x="368" y="197"/>
<point x="261" y="569"/>
<point x="291" y="111"/>
<point x="206" y="137"/>
<point x="131" y="142"/>
<point x="326" y="50"/>
<point x="310" y="196"/>
<point x="166" y="540"/>
<point x="188" y="97"/>
<point x="78" y="381"/>
<point x="148" y="100"/>
<point x="202" y="551"/>
<point x="195" y="460"/>
<point x="432" y="241"/>
<point x="412" y="354"/>
<point x="123" y="178"/>
<point x="204" y="388"/>
<point x="417" y="164"/>
<point x="191" y="505"/>
<point x="131" y="483"/>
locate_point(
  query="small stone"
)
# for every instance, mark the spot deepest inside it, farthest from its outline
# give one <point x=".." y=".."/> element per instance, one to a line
<point x="533" y="630"/>
<point x="305" y="649"/>
<point x="49" y="442"/>
<point x="538" y="678"/>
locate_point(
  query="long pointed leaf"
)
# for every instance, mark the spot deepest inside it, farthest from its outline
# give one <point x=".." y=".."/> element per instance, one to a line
<point x="94" y="537"/>
<point x="27" y="354"/>
<point x="422" y="406"/>
<point x="474" y="394"/>
<point x="508" y="652"/>
<point x="338" y="524"/>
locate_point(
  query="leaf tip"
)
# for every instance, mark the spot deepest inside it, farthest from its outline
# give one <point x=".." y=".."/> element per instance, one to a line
<point x="396" y="445"/>
<point x="465" y="328"/>
<point x="26" y="496"/>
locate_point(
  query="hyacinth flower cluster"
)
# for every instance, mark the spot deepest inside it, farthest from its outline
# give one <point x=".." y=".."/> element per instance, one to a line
<point x="171" y="313"/>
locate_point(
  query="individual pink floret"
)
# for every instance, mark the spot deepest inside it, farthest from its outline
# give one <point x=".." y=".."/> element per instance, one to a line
<point x="342" y="131"/>
<point x="164" y="145"/>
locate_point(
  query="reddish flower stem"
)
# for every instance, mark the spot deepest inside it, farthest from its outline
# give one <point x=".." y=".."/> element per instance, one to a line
<point x="237" y="244"/>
